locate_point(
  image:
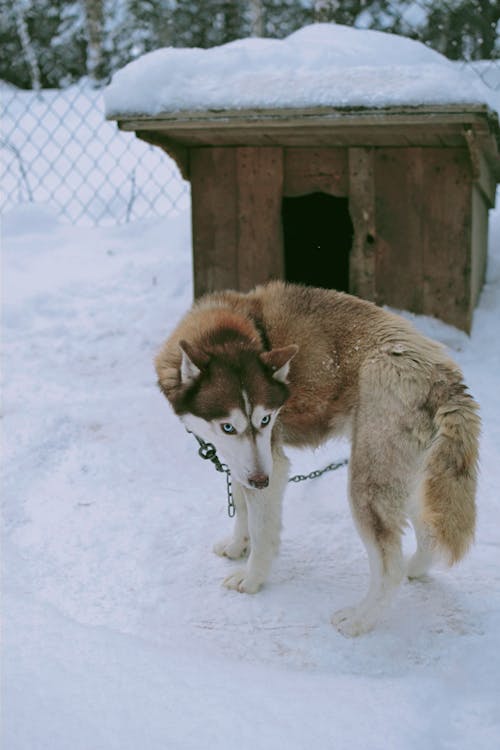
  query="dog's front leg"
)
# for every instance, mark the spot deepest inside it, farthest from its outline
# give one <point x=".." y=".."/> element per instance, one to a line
<point x="264" y="527"/>
<point x="238" y="544"/>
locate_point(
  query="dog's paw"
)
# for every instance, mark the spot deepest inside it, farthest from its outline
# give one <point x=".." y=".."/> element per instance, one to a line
<point x="417" y="568"/>
<point x="232" y="548"/>
<point x="352" y="621"/>
<point x="242" y="582"/>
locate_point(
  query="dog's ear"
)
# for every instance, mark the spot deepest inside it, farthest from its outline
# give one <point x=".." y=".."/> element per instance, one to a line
<point x="278" y="360"/>
<point x="192" y="363"/>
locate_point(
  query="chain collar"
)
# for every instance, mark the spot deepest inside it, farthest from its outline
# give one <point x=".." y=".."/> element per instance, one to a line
<point x="207" y="451"/>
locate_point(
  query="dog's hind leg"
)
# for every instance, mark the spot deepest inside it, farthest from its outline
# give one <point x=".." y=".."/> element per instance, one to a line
<point x="264" y="526"/>
<point x="238" y="544"/>
<point x="381" y="536"/>
<point x="382" y="469"/>
<point x="424" y="555"/>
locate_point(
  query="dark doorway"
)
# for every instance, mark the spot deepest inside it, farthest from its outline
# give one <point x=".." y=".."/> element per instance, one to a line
<point x="317" y="236"/>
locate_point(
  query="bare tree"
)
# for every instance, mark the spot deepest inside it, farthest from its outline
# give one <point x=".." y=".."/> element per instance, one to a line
<point x="21" y="8"/>
<point x="94" y="23"/>
<point x="256" y="17"/>
<point x="324" y="9"/>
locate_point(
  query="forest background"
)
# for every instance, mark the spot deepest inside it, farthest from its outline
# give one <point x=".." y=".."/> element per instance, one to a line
<point x="52" y="43"/>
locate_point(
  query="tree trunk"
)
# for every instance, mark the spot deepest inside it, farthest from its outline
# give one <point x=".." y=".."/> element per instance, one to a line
<point x="324" y="10"/>
<point x="27" y="46"/>
<point x="490" y="16"/>
<point x="94" y="23"/>
<point x="232" y="20"/>
<point x="256" y="18"/>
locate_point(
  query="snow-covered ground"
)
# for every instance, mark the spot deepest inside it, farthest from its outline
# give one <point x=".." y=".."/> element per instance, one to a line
<point x="117" y="632"/>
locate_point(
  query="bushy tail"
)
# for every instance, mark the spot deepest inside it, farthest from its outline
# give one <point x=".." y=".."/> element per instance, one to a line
<point x="450" y="476"/>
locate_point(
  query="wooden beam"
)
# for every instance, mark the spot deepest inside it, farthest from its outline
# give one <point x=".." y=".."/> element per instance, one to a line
<point x="178" y="152"/>
<point x="362" y="210"/>
<point x="326" y="116"/>
<point x="481" y="170"/>
<point x="315" y="136"/>
<point x="423" y="125"/>
<point x="479" y="243"/>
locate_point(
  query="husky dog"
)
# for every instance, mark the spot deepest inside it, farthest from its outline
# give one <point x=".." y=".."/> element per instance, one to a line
<point x="292" y="365"/>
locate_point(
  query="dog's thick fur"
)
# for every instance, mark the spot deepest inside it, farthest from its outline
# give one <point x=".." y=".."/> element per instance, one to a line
<point x="291" y="365"/>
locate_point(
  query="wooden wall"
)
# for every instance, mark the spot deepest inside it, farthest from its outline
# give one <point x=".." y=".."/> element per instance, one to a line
<point x="236" y="212"/>
<point x="424" y="220"/>
<point x="416" y="213"/>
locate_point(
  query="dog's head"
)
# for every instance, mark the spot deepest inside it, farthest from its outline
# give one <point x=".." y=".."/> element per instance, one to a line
<point x="230" y="396"/>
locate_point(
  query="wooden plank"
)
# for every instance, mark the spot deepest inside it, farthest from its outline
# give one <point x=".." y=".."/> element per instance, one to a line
<point x="479" y="240"/>
<point x="214" y="219"/>
<point x="314" y="136"/>
<point x="446" y="236"/>
<point x="400" y="206"/>
<point x="362" y="210"/>
<point x="481" y="171"/>
<point x="423" y="218"/>
<point x="311" y="170"/>
<point x="260" y="191"/>
<point x="424" y="114"/>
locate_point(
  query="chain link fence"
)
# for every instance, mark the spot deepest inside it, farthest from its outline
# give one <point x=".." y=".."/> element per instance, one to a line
<point x="58" y="149"/>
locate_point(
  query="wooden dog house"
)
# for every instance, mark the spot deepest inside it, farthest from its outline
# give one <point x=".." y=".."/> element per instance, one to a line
<point x="390" y="204"/>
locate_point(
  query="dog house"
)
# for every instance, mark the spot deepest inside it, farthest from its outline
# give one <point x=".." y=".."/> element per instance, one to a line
<point x="389" y="203"/>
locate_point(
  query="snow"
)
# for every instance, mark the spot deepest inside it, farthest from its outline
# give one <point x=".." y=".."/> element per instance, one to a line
<point x="117" y="632"/>
<point x="323" y="65"/>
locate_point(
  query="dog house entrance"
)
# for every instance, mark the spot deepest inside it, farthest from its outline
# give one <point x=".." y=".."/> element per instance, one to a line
<point x="317" y="237"/>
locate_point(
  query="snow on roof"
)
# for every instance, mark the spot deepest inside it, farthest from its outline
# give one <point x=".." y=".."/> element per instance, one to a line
<point x="320" y="65"/>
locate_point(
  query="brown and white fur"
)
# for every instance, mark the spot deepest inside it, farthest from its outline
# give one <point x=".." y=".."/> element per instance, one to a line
<point x="291" y="365"/>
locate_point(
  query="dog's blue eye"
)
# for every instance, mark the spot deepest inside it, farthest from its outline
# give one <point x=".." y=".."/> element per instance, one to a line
<point x="228" y="428"/>
<point x="265" y="420"/>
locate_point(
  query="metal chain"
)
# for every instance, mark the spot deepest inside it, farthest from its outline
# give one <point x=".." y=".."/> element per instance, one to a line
<point x="207" y="451"/>
<point x="318" y="472"/>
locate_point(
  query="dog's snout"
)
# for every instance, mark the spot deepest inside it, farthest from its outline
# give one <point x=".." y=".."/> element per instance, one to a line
<point x="259" y="481"/>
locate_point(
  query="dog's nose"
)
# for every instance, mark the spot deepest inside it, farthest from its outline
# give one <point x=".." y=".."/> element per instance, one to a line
<point x="259" y="481"/>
